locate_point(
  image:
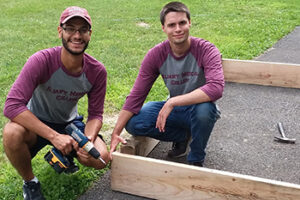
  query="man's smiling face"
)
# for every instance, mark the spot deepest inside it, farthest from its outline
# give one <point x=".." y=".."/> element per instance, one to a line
<point x="75" y="35"/>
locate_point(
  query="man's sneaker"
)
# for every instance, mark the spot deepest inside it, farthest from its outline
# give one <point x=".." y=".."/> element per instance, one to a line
<point x="32" y="191"/>
<point x="180" y="149"/>
<point x="199" y="164"/>
<point x="72" y="168"/>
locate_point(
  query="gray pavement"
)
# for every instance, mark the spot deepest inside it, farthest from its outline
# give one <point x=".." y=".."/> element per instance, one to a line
<point x="242" y="140"/>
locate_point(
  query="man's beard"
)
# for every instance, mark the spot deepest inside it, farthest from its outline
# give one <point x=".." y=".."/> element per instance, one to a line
<point x="65" y="44"/>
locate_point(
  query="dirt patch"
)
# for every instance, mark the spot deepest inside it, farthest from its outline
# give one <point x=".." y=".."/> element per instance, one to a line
<point x="143" y="24"/>
<point x="109" y="122"/>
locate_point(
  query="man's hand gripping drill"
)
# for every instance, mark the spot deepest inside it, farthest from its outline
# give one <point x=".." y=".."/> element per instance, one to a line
<point x="59" y="162"/>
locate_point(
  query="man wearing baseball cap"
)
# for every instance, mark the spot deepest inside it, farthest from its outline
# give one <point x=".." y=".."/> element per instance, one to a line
<point x="43" y="101"/>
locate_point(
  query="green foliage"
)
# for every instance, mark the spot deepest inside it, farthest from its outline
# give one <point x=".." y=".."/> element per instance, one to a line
<point x="54" y="186"/>
<point x="241" y="29"/>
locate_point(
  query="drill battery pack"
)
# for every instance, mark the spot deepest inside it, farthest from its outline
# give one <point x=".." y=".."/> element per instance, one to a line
<point x="59" y="162"/>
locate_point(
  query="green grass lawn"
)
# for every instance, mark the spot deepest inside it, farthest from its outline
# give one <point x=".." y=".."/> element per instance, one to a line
<point x="241" y="29"/>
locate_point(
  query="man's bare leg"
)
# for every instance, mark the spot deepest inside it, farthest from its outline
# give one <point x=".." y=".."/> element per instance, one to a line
<point x="17" y="141"/>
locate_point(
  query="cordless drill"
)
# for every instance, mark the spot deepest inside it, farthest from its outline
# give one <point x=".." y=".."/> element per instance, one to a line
<point x="60" y="162"/>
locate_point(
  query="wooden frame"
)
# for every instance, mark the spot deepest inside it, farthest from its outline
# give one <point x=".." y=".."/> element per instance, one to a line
<point x="139" y="145"/>
<point x="168" y="180"/>
<point x="161" y="179"/>
<point x="262" y="73"/>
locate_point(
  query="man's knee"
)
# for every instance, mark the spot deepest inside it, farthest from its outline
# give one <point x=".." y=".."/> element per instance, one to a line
<point x="145" y="120"/>
<point x="15" y="135"/>
<point x="97" y="163"/>
<point x="130" y="127"/>
<point x="139" y="127"/>
<point x="205" y="112"/>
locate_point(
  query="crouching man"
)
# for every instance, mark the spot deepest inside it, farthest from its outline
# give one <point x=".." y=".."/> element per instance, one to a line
<point x="43" y="101"/>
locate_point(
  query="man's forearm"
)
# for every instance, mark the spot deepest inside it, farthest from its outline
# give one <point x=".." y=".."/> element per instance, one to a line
<point x="92" y="128"/>
<point x="28" y="120"/>
<point x="123" y="118"/>
<point x="194" y="97"/>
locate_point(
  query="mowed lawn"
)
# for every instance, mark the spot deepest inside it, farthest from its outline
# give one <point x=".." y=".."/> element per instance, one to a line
<point x="123" y="32"/>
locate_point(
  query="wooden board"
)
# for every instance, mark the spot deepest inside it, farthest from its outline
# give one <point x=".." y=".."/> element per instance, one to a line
<point x="139" y="145"/>
<point x="262" y="73"/>
<point x="160" y="179"/>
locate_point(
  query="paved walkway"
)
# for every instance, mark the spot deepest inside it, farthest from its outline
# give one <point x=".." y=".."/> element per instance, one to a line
<point x="242" y="140"/>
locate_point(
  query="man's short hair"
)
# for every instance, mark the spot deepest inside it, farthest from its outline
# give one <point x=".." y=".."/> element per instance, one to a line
<point x="173" y="7"/>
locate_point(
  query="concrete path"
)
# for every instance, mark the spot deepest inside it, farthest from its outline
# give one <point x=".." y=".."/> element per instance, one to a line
<point x="242" y="140"/>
